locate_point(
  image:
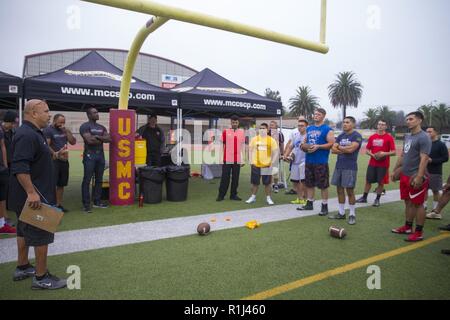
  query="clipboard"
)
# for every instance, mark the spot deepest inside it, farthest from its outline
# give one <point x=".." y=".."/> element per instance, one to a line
<point x="46" y="218"/>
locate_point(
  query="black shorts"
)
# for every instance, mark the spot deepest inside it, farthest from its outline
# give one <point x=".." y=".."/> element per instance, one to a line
<point x="34" y="237"/>
<point x="256" y="177"/>
<point x="4" y="176"/>
<point x="61" y="172"/>
<point x="375" y="174"/>
<point x="317" y="175"/>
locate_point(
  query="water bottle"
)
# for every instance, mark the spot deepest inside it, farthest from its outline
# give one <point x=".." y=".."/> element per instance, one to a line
<point x="141" y="200"/>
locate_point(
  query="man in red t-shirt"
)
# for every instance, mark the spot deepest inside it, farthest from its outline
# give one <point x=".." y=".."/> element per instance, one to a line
<point x="380" y="147"/>
<point x="233" y="146"/>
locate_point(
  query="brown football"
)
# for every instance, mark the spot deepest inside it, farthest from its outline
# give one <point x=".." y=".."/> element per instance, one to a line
<point x="306" y="146"/>
<point x="378" y="155"/>
<point x="203" y="228"/>
<point x="337" y="232"/>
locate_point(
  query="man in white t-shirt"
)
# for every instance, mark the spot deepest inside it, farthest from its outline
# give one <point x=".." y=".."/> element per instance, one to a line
<point x="295" y="154"/>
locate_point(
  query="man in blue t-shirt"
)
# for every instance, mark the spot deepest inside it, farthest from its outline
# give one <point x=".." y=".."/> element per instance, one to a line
<point x="344" y="177"/>
<point x="317" y="145"/>
<point x="94" y="136"/>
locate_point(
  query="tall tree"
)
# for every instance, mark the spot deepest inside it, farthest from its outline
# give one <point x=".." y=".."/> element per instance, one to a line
<point x="441" y="116"/>
<point x="345" y="92"/>
<point x="303" y="103"/>
<point x="427" y="111"/>
<point x="371" y="119"/>
<point x="387" y="115"/>
<point x="274" y="95"/>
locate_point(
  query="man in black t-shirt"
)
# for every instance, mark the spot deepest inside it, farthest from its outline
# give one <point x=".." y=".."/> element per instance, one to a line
<point x="154" y="137"/>
<point x="32" y="181"/>
<point x="58" y="136"/>
<point x="94" y="135"/>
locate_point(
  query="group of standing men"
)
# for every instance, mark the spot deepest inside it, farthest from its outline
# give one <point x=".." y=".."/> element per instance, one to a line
<point x="308" y="150"/>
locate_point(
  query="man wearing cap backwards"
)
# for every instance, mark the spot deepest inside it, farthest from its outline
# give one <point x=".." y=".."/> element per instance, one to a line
<point x="32" y="180"/>
<point x="154" y="137"/>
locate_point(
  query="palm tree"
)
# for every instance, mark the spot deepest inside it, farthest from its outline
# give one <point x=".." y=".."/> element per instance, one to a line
<point x="274" y="95"/>
<point x="303" y="103"/>
<point x="387" y="115"/>
<point x="441" y="116"/>
<point x="346" y="91"/>
<point x="371" y="120"/>
<point x="427" y="111"/>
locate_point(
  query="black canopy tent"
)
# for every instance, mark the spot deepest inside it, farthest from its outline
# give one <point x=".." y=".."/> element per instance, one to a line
<point x="92" y="80"/>
<point x="10" y="91"/>
<point x="207" y="94"/>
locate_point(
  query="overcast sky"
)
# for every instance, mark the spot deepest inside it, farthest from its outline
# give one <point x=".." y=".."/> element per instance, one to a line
<point x="399" y="49"/>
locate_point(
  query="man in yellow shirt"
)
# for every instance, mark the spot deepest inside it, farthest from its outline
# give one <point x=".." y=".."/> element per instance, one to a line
<point x="263" y="151"/>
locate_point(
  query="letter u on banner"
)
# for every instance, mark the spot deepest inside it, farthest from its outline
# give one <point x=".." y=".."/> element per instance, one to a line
<point x="121" y="157"/>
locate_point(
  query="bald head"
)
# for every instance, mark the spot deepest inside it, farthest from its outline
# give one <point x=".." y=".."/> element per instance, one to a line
<point x="37" y="112"/>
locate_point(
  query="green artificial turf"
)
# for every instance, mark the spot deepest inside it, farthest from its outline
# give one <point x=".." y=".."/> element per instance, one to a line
<point x="236" y="263"/>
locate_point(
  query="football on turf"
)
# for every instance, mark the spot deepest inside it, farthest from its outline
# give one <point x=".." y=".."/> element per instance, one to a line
<point x="306" y="146"/>
<point x="396" y="174"/>
<point x="203" y="228"/>
<point x="337" y="232"/>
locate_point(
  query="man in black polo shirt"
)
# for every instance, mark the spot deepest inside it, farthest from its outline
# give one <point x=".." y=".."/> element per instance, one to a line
<point x="155" y="140"/>
<point x="58" y="136"/>
<point x="94" y="135"/>
<point x="32" y="180"/>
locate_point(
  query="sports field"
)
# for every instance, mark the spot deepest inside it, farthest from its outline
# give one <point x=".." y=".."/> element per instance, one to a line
<point x="293" y="259"/>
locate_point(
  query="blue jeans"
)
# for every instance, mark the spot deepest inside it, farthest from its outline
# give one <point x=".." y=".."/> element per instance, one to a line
<point x="94" y="164"/>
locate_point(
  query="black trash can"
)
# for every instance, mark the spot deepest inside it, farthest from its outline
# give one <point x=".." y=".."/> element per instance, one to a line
<point x="150" y="183"/>
<point x="177" y="181"/>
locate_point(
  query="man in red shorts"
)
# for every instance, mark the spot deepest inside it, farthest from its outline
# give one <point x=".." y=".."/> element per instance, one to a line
<point x="380" y="147"/>
<point x="413" y="179"/>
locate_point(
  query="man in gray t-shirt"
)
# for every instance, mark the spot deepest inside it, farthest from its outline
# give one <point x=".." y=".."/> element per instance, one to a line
<point x="413" y="179"/>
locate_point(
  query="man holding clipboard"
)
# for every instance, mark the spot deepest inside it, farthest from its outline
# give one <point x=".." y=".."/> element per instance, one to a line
<point x="31" y="182"/>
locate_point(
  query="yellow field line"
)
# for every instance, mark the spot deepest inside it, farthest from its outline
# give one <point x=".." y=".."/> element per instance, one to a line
<point x="348" y="267"/>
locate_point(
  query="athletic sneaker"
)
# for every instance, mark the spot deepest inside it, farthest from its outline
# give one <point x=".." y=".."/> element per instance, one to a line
<point x="308" y="206"/>
<point x="324" y="210"/>
<point x="297" y="201"/>
<point x="23" y="274"/>
<point x="62" y="209"/>
<point x="50" y="282"/>
<point x="352" y="220"/>
<point x="275" y="188"/>
<point x="445" y="251"/>
<point x="403" y="230"/>
<point x="100" y="205"/>
<point x="416" y="236"/>
<point x="337" y="216"/>
<point x="269" y="201"/>
<point x="434" y="215"/>
<point x="87" y="210"/>
<point x="292" y="191"/>
<point x="252" y="199"/>
<point x="445" y="228"/>
<point x="235" y="198"/>
<point x="361" y="200"/>
<point x="7" y="229"/>
<point x="376" y="203"/>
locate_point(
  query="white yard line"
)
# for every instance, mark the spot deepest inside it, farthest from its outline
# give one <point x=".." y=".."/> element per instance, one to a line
<point x="117" y="235"/>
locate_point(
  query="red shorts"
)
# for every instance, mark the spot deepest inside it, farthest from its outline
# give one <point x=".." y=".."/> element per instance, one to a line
<point x="416" y="196"/>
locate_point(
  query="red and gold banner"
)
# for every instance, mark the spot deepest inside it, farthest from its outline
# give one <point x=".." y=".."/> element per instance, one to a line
<point x="121" y="157"/>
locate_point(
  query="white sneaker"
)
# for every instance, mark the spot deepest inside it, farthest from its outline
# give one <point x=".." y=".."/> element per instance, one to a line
<point x="269" y="201"/>
<point x="434" y="215"/>
<point x="252" y="199"/>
